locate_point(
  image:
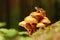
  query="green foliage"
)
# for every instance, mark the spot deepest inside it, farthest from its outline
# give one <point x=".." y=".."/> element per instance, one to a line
<point x="2" y="24"/>
<point x="23" y="38"/>
<point x="47" y="34"/>
<point x="13" y="34"/>
<point x="2" y="36"/>
<point x="38" y="32"/>
<point x="3" y="30"/>
<point x="21" y="33"/>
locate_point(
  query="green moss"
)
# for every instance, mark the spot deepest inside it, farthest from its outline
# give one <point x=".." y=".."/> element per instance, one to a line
<point x="11" y="33"/>
<point x="49" y="32"/>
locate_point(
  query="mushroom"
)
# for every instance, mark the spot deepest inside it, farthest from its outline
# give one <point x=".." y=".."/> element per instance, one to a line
<point x="37" y="16"/>
<point x="35" y="13"/>
<point x="35" y="20"/>
<point x="23" y="24"/>
<point x="40" y="25"/>
<point x="45" y="21"/>
<point x="30" y="19"/>
<point x="40" y="10"/>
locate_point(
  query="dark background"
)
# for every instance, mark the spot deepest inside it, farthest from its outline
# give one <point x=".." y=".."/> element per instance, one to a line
<point x="14" y="11"/>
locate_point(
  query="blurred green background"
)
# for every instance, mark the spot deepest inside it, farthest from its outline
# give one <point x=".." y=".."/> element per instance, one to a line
<point x="14" y="11"/>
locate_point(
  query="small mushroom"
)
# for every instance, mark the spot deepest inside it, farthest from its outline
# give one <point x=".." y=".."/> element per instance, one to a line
<point x="45" y="21"/>
<point x="23" y="24"/>
<point x="40" y="25"/>
<point x="37" y="16"/>
<point x="35" y="13"/>
<point x="30" y="19"/>
<point x="40" y="10"/>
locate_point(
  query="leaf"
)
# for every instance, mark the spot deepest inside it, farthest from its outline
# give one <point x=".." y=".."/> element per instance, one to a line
<point x="2" y="24"/>
<point x="3" y="30"/>
<point x="11" y="33"/>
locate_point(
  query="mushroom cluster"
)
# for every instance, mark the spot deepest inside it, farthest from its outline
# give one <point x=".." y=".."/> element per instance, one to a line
<point x="35" y="20"/>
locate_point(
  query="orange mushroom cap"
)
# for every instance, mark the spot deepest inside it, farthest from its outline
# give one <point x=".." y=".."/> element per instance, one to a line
<point x="35" y="13"/>
<point x="30" y="19"/>
<point x="40" y="25"/>
<point x="23" y="24"/>
<point x="45" y="21"/>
